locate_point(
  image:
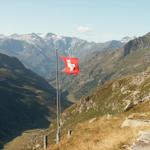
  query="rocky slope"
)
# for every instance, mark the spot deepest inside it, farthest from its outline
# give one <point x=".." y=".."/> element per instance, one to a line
<point x="114" y="96"/>
<point x="138" y="43"/>
<point x="116" y="113"/>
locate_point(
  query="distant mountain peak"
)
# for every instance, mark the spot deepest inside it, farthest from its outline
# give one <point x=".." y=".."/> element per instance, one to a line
<point x="2" y="36"/>
<point x="42" y="35"/>
<point x="148" y="34"/>
<point x="137" y="43"/>
<point x="30" y="37"/>
<point x="127" y="39"/>
<point x="50" y="34"/>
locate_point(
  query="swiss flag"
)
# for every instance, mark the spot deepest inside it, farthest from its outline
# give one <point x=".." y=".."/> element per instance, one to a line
<point x="71" y="65"/>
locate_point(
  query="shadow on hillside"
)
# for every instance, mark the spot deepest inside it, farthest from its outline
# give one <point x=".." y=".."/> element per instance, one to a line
<point x="8" y="134"/>
<point x="25" y="118"/>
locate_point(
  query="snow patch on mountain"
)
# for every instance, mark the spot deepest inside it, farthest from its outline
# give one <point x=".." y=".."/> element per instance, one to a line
<point x="2" y="36"/>
<point x="127" y="39"/>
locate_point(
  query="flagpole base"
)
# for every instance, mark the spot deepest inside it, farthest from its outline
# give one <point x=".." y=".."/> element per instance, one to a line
<point x="58" y="137"/>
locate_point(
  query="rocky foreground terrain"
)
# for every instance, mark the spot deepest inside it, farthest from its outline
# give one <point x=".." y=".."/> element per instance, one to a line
<point x="115" y="117"/>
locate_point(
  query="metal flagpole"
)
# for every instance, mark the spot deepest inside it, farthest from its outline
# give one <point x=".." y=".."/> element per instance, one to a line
<point x="58" y="99"/>
<point x="59" y="91"/>
<point x="60" y="118"/>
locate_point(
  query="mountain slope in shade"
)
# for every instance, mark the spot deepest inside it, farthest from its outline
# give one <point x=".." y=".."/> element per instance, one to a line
<point x="138" y="43"/>
<point x="27" y="101"/>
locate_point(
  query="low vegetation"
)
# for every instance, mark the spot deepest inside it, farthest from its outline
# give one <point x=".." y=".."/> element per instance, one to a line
<point x="96" y="121"/>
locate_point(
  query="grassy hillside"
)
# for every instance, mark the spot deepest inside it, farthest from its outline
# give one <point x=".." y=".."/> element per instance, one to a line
<point x="105" y="133"/>
<point x="96" y="120"/>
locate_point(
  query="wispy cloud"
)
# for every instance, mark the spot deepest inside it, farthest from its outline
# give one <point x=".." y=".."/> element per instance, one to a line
<point x="83" y="29"/>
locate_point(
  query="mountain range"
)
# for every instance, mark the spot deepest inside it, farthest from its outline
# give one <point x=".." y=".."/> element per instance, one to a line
<point x="37" y="51"/>
<point x="101" y="66"/>
<point x="107" y="60"/>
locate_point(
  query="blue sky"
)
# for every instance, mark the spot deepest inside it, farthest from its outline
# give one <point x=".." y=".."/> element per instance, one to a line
<point x="93" y="20"/>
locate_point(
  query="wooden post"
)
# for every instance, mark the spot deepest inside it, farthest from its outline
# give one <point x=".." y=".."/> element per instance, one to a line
<point x="69" y="133"/>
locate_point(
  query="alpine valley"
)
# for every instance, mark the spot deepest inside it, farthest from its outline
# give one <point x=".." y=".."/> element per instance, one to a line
<point x="27" y="101"/>
<point x="111" y="94"/>
<point x="37" y="52"/>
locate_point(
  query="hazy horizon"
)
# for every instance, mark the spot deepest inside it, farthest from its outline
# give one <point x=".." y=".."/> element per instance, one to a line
<point x="96" y="20"/>
<point x="44" y="34"/>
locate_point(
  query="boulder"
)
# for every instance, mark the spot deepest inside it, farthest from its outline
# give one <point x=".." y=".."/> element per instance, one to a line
<point x="142" y="142"/>
<point x="135" y="123"/>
